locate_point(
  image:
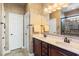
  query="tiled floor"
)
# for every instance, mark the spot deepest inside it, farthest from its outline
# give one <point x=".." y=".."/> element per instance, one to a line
<point x="18" y="52"/>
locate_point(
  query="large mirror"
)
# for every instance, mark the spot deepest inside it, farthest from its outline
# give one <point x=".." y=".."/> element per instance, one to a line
<point x="70" y="21"/>
<point x="70" y="25"/>
<point x="64" y="19"/>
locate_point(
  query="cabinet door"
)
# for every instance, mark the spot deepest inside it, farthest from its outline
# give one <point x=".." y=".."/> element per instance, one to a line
<point x="44" y="49"/>
<point x="37" y="47"/>
<point x="54" y="51"/>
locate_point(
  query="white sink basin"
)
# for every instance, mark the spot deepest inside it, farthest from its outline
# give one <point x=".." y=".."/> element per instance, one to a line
<point x="74" y="45"/>
<point x="71" y="44"/>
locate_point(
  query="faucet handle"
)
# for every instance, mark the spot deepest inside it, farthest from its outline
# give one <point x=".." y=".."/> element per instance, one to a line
<point x="65" y="39"/>
<point x="68" y="41"/>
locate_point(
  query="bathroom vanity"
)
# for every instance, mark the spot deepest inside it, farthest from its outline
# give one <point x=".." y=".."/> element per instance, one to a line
<point x="53" y="46"/>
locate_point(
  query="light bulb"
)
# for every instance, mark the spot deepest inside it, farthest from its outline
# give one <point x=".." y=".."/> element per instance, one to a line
<point x="45" y="9"/>
<point x="50" y="7"/>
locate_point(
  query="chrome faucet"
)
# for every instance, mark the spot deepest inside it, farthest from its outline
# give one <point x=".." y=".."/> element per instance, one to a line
<point x="66" y="40"/>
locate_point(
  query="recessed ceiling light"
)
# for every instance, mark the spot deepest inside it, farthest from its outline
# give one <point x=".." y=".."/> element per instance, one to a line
<point x="55" y="6"/>
<point x="50" y="7"/>
<point x="45" y="9"/>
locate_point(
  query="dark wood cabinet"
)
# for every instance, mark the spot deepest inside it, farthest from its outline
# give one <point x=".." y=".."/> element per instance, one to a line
<point x="54" y="51"/>
<point x="36" y="47"/>
<point x="44" y="49"/>
<point x="41" y="48"/>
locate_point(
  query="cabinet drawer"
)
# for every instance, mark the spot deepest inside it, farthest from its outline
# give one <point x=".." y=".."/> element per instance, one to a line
<point x="54" y="51"/>
<point x="44" y="45"/>
<point x="37" y="41"/>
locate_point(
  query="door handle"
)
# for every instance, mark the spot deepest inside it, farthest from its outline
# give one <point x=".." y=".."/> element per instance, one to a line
<point x="25" y="33"/>
<point x="11" y="34"/>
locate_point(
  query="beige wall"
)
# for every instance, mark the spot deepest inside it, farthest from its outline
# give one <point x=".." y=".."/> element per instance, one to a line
<point x="35" y="7"/>
<point x="14" y="8"/>
<point x="37" y="17"/>
<point x="57" y="15"/>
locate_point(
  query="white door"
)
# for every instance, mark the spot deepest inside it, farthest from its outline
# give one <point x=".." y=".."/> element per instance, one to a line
<point x="26" y="30"/>
<point x="15" y="31"/>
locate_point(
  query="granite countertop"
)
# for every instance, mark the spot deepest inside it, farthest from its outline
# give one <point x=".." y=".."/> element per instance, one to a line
<point x="58" y="41"/>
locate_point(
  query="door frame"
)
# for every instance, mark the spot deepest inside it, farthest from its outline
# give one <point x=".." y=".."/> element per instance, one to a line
<point x="27" y="44"/>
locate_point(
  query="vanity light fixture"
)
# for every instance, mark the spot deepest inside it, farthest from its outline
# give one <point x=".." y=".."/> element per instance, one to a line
<point x="45" y="9"/>
<point x="48" y="10"/>
<point x="56" y="6"/>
